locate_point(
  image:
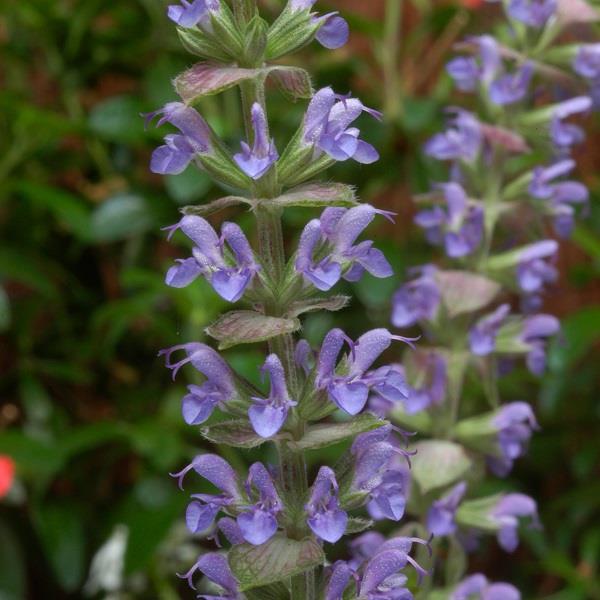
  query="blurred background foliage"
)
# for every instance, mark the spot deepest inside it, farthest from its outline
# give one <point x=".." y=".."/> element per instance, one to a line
<point x="87" y="413"/>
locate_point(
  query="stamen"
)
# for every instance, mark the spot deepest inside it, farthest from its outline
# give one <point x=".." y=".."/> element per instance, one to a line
<point x="188" y="576"/>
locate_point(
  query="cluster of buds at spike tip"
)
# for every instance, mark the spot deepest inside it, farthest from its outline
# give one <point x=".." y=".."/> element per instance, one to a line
<point x="510" y="163"/>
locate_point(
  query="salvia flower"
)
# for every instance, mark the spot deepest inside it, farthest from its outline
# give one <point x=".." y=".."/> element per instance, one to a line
<point x="535" y="332"/>
<point x="440" y="518"/>
<point x="333" y="30"/>
<point x="507" y="512"/>
<point x="512" y="87"/>
<point x="417" y="300"/>
<point x="429" y="387"/>
<point x="534" y="270"/>
<point x="268" y="415"/>
<point x="467" y="72"/>
<point x="256" y="161"/>
<point x="564" y="135"/>
<point x="459" y="227"/>
<point x="327" y="250"/>
<point x="482" y="336"/>
<point x="534" y="13"/>
<point x="327" y="127"/>
<point x="229" y="276"/>
<point x="341" y="574"/>
<point x="215" y="567"/>
<point x="349" y="389"/>
<point x="325" y="517"/>
<point x="201" y="400"/>
<point x="462" y="141"/>
<point x="587" y="61"/>
<point x="189" y="14"/>
<point x="477" y="587"/>
<point x="179" y="149"/>
<point x="514" y="424"/>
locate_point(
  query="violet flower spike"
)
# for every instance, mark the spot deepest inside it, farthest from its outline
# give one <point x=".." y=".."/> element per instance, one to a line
<point x="587" y="61"/>
<point x="208" y="258"/>
<point x="432" y="389"/>
<point x="259" y="523"/>
<point x="179" y="149"/>
<point x="325" y="517"/>
<point x="534" y="13"/>
<point x="564" y="135"/>
<point x="535" y="332"/>
<point x="467" y="72"/>
<point x="217" y="390"/>
<point x="341" y="574"/>
<point x="514" y="423"/>
<point x="417" y="300"/>
<point x="350" y="391"/>
<point x="440" y="518"/>
<point x="327" y="127"/>
<point x="189" y="14"/>
<point x="336" y="230"/>
<point x="482" y="336"/>
<point x="268" y="415"/>
<point x="256" y="161"/>
<point x="507" y="512"/>
<point x="478" y="587"/>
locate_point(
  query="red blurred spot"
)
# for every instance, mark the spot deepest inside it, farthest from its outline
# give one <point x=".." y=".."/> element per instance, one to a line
<point x="472" y="3"/>
<point x="7" y="474"/>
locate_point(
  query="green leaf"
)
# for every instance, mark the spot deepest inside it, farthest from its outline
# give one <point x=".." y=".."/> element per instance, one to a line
<point x="456" y="562"/>
<point x="439" y="463"/>
<point x="316" y="195"/>
<point x="248" y="327"/>
<point x="275" y="591"/>
<point x="117" y="120"/>
<point x="276" y="560"/>
<point x="121" y="217"/>
<point x="327" y="434"/>
<point x="464" y="292"/>
<point x="12" y="568"/>
<point x="357" y="525"/>
<point x="204" y="210"/>
<point x="189" y="186"/>
<point x="237" y="433"/>
<point x="333" y="303"/>
<point x="293" y="82"/>
<point x="60" y="528"/>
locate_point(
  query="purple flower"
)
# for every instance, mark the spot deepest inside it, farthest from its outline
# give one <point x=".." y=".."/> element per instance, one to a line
<point x="533" y="270"/>
<point x="333" y="235"/>
<point x="268" y="415"/>
<point x="462" y="141"/>
<point x="459" y="227"/>
<point x="482" y="336"/>
<point x="231" y="530"/>
<point x="561" y="196"/>
<point x="432" y="379"/>
<point x="536" y="330"/>
<point x="514" y="424"/>
<point x="565" y="135"/>
<point x="327" y="127"/>
<point x="189" y="14"/>
<point x="217" y="390"/>
<point x="350" y="388"/>
<point x="507" y="512"/>
<point x="333" y="30"/>
<point x="417" y="300"/>
<point x="341" y="573"/>
<point x="179" y="149"/>
<point x="325" y="517"/>
<point x="257" y="520"/>
<point x="208" y="258"/>
<point x="512" y="87"/>
<point x="587" y="61"/>
<point x="259" y="523"/>
<point x="440" y="518"/>
<point x="256" y="161"/>
<point x="216" y="568"/>
<point x="534" y="13"/>
<point x="467" y="72"/>
<point x="376" y="475"/>
<point x="201" y="512"/>
<point x="477" y="587"/>
<point x="381" y="579"/>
